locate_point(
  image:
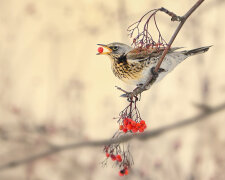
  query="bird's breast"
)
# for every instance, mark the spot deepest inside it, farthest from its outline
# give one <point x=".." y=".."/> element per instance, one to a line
<point x="130" y="73"/>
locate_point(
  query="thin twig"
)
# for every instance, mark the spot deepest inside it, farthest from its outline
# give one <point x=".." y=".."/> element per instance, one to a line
<point x="143" y="136"/>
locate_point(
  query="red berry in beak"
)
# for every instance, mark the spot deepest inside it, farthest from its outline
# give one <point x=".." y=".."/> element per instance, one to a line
<point x="100" y="49"/>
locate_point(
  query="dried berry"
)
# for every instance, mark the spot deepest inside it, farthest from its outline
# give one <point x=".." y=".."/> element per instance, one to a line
<point x="113" y="157"/>
<point x="121" y="174"/>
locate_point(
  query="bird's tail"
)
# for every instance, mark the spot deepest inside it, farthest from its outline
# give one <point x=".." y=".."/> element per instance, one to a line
<point x="197" y="51"/>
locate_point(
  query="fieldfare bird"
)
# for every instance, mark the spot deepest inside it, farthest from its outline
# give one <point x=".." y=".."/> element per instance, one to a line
<point x="134" y="65"/>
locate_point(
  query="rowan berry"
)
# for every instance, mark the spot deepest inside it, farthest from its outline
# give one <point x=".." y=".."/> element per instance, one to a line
<point x="138" y="125"/>
<point x="100" y="49"/>
<point x="125" y="121"/>
<point x="141" y="129"/>
<point x="134" y="130"/>
<point x="107" y="154"/>
<point x="113" y="157"/>
<point x="126" y="171"/>
<point x="121" y="173"/>
<point x="118" y="158"/>
<point x="142" y="122"/>
<point x="133" y="123"/>
<point x="125" y="130"/>
<point x="129" y="120"/>
<point x="121" y="127"/>
<point x="129" y="127"/>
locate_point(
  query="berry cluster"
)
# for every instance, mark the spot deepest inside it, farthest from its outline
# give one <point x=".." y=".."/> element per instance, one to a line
<point x="130" y="125"/>
<point x="114" y="157"/>
<point x="129" y="120"/>
<point x="121" y="157"/>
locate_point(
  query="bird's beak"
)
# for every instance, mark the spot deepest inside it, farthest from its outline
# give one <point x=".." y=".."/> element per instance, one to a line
<point x="106" y="47"/>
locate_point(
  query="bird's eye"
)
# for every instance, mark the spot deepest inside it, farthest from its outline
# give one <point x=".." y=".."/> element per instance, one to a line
<point x="115" y="48"/>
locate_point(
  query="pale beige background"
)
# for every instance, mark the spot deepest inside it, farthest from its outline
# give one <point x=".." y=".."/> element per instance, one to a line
<point x="54" y="90"/>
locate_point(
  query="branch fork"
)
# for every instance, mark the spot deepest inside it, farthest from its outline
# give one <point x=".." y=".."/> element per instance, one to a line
<point x="182" y="19"/>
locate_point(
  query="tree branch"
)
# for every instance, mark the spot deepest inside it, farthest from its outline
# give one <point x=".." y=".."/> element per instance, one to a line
<point x="143" y="136"/>
<point x="182" y="20"/>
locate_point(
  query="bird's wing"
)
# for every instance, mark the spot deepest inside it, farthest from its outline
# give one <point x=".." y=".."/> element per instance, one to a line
<point x="140" y="54"/>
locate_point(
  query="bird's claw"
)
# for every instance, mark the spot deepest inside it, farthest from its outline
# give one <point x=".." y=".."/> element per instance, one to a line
<point x="154" y="73"/>
<point x="131" y="97"/>
<point x="124" y="95"/>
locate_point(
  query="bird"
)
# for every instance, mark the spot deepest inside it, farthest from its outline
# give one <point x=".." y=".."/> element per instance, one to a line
<point x="134" y="65"/>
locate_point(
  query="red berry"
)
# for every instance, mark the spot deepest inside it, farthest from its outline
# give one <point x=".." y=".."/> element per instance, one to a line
<point x="125" y="121"/>
<point x="121" y="174"/>
<point x="118" y="158"/>
<point x="141" y="129"/>
<point x="113" y="157"/>
<point x="129" y="120"/>
<point x="125" y="130"/>
<point x="142" y="122"/>
<point x="129" y="127"/>
<point x="107" y="154"/>
<point x="133" y="123"/>
<point x="126" y="171"/>
<point x="138" y="125"/>
<point x="134" y="130"/>
<point x="121" y="127"/>
<point x="100" y="49"/>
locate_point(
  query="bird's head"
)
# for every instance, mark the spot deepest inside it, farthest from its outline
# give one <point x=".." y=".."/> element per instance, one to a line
<point x="115" y="50"/>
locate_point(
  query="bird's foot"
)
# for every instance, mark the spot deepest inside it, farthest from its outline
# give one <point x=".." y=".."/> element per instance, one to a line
<point x="131" y="96"/>
<point x="154" y="73"/>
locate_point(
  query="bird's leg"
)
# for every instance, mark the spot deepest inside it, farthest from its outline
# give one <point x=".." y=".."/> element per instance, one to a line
<point x="155" y="75"/>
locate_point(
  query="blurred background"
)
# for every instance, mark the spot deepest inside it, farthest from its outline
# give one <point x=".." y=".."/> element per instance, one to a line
<point x="54" y="90"/>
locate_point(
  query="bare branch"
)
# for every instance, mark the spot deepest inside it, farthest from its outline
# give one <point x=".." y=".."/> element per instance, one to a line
<point x="147" y="135"/>
<point x="182" y="20"/>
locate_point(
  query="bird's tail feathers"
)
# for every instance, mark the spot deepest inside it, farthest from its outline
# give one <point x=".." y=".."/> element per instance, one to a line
<point x="197" y="51"/>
